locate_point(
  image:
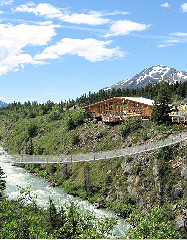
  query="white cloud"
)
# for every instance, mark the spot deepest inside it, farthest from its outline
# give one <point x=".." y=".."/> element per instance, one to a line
<point x="179" y="34"/>
<point x="174" y="38"/>
<point x="94" y="18"/>
<point x="47" y="10"/>
<point x="11" y="63"/>
<point x="165" y="45"/>
<point x="184" y="7"/>
<point x="91" y="49"/>
<point x="14" y="38"/>
<point x="116" y="13"/>
<point x="46" y="55"/>
<point x="5" y="2"/>
<point x="43" y="9"/>
<point x="125" y="27"/>
<point x="174" y="41"/>
<point x="45" y="23"/>
<point x="166" y="5"/>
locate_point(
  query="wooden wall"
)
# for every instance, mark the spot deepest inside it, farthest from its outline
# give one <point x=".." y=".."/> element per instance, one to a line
<point x="118" y="109"/>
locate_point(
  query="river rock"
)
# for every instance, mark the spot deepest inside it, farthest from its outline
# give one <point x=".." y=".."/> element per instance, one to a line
<point x="52" y="184"/>
<point x="96" y="205"/>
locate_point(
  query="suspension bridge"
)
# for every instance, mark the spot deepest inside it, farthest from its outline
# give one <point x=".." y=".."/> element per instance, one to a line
<point x="101" y="155"/>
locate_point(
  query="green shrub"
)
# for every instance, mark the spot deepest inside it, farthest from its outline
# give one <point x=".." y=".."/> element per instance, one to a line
<point x="165" y="153"/>
<point x="32" y="129"/>
<point x="129" y="159"/>
<point x="75" y="139"/>
<point x="145" y="137"/>
<point x="108" y="178"/>
<point x="137" y="169"/>
<point x="129" y="126"/>
<point x="79" y="117"/>
<point x="52" y="116"/>
<point x="156" y="224"/>
<point x="126" y="207"/>
<point x="32" y="114"/>
<point x="75" y="118"/>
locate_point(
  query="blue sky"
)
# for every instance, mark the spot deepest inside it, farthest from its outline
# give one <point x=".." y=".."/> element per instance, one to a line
<point x="58" y="50"/>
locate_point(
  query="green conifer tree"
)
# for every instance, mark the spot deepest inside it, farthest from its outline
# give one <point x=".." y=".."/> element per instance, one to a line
<point x="161" y="109"/>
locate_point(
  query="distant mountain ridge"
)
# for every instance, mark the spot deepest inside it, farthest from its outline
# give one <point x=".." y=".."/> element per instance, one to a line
<point x="152" y="75"/>
<point x="3" y="104"/>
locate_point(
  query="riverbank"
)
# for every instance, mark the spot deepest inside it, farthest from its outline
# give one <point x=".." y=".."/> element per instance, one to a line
<point x="39" y="187"/>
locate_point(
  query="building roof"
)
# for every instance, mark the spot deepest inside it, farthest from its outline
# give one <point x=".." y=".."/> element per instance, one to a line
<point x="133" y="99"/>
<point x="140" y="100"/>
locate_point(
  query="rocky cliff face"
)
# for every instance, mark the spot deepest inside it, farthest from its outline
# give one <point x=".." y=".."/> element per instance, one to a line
<point x="159" y="177"/>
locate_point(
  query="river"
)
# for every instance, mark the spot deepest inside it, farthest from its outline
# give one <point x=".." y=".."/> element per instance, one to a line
<point x="43" y="191"/>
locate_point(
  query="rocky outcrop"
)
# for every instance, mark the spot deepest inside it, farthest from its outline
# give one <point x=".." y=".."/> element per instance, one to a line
<point x="184" y="173"/>
<point x="181" y="223"/>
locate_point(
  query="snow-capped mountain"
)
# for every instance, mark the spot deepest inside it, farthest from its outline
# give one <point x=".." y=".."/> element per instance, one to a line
<point x="3" y="104"/>
<point x="151" y="75"/>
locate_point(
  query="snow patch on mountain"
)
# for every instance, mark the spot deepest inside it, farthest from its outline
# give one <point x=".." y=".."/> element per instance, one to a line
<point x="3" y="104"/>
<point x="152" y="75"/>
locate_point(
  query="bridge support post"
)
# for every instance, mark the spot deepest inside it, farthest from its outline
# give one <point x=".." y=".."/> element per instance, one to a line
<point x="65" y="172"/>
<point x="87" y="182"/>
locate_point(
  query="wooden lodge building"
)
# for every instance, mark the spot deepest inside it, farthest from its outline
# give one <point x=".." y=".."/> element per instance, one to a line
<point x="119" y="109"/>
